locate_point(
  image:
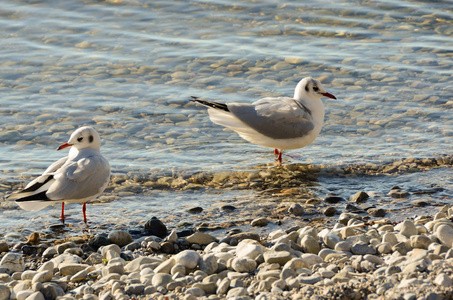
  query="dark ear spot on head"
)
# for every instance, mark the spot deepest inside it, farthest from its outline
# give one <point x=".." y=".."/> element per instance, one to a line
<point x="306" y="88"/>
<point x="90" y="138"/>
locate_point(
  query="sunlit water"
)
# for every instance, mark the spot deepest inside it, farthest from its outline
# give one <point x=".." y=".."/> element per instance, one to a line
<point x="128" y="68"/>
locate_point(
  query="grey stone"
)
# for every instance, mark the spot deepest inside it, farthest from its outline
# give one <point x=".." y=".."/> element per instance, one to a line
<point x="331" y="240"/>
<point x="443" y="280"/>
<point x="279" y="257"/>
<point x="36" y="296"/>
<point x="445" y="234"/>
<point x="13" y="261"/>
<point x="120" y="237"/>
<point x="62" y="247"/>
<point x="43" y="276"/>
<point x="161" y="279"/>
<point x="208" y="264"/>
<point x="243" y="264"/>
<point x="362" y="249"/>
<point x="310" y="244"/>
<point x="188" y="258"/>
<point x="408" y="228"/>
<point x="134" y="289"/>
<point x="296" y="209"/>
<point x="201" y="238"/>
<point x="4" y="292"/>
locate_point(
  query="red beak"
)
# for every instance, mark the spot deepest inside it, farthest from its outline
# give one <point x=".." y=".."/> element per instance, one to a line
<point x="65" y="145"/>
<point x="329" y="95"/>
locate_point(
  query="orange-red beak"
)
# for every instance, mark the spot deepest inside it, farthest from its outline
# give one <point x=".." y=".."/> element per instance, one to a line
<point x="65" y="145"/>
<point x="329" y="95"/>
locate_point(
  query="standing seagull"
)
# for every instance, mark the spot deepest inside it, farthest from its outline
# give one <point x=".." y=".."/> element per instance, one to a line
<point x="80" y="177"/>
<point x="282" y="123"/>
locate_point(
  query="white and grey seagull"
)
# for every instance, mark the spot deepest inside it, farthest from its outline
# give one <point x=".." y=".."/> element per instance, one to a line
<point x="80" y="177"/>
<point x="281" y="123"/>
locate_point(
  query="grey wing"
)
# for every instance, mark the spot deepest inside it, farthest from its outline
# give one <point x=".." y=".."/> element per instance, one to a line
<point x="40" y="183"/>
<point x="85" y="178"/>
<point x="277" y="118"/>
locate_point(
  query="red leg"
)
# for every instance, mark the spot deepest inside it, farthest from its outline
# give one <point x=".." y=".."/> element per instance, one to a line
<point x="280" y="157"/>
<point x="62" y="212"/>
<point x="84" y="209"/>
<point x="276" y="152"/>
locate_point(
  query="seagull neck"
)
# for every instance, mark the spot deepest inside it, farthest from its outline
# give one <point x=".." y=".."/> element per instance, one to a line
<point x="316" y="108"/>
<point x="76" y="154"/>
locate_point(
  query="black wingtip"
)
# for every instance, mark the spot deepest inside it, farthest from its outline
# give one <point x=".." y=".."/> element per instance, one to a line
<point x="211" y="104"/>
<point x="37" y="197"/>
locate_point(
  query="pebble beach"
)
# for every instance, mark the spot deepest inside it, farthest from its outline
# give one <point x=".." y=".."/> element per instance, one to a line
<point x="194" y="212"/>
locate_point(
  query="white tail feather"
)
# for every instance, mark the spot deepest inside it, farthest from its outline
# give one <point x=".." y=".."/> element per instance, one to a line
<point x="34" y="205"/>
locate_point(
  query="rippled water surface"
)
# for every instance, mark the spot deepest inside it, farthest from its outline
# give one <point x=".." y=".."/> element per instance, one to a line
<point x="128" y="68"/>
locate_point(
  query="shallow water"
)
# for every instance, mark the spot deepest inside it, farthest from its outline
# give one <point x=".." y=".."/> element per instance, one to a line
<point x="128" y="68"/>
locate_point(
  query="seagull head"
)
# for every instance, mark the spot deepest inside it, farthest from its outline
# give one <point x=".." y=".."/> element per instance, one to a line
<point x="310" y="87"/>
<point x="84" y="137"/>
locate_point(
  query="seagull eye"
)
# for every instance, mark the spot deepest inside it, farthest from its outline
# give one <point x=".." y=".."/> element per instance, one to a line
<point x="79" y="139"/>
<point x="315" y="88"/>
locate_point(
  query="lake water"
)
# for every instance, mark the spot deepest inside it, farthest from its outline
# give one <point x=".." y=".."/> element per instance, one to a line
<point x="128" y="68"/>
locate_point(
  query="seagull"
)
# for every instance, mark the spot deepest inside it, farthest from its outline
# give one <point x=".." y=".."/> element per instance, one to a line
<point x="80" y="177"/>
<point x="281" y="123"/>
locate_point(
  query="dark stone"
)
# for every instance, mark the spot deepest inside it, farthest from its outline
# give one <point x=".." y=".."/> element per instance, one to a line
<point x="234" y="231"/>
<point x="29" y="250"/>
<point x="132" y="246"/>
<point x="330" y="211"/>
<point x="99" y="241"/>
<point x="184" y="233"/>
<point x="167" y="248"/>
<point x="420" y="203"/>
<point x="156" y="227"/>
<point x="195" y="210"/>
<point x="377" y="212"/>
<point x="291" y="229"/>
<point x="127" y="255"/>
<point x="49" y="292"/>
<point x="86" y="248"/>
<point x="333" y="199"/>
<point x="228" y="208"/>
<point x="359" y="197"/>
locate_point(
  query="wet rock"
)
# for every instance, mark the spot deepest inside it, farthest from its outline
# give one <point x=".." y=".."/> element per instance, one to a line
<point x="359" y="197"/>
<point x="333" y="199"/>
<point x="260" y="222"/>
<point x="377" y="212"/>
<point x="397" y="193"/>
<point x="155" y="227"/>
<point x="195" y="210"/>
<point x="296" y="209"/>
<point x="4" y="247"/>
<point x="330" y="211"/>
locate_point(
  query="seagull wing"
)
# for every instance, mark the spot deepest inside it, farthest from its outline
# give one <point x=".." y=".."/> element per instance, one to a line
<point x="40" y="183"/>
<point x="277" y="118"/>
<point x="81" y="179"/>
